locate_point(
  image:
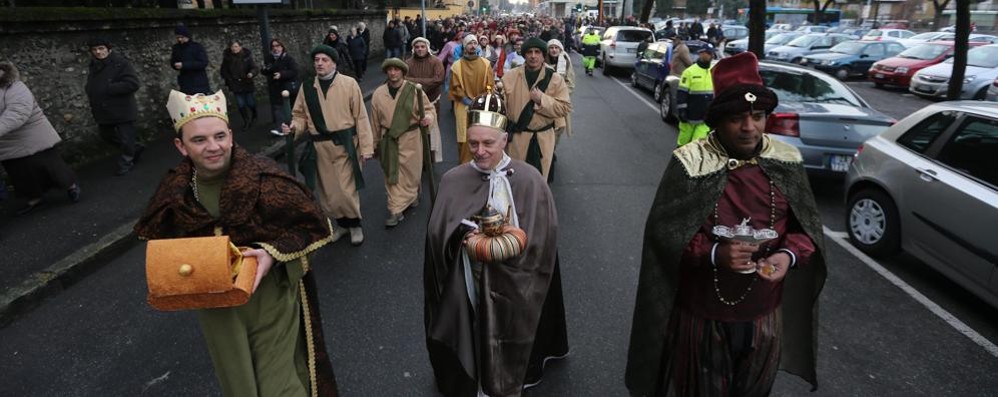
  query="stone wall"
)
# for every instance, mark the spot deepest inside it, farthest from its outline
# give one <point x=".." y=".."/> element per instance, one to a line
<point x="50" y="50"/>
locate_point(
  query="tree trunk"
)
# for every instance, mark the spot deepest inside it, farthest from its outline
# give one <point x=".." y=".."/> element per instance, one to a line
<point x="646" y="10"/>
<point x="757" y="28"/>
<point x="937" y="13"/>
<point x="960" y="49"/>
<point x="817" y="12"/>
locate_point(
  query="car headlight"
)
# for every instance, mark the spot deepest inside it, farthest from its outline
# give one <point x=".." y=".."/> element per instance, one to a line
<point x="969" y="79"/>
<point x="828" y="62"/>
<point x="804" y="61"/>
<point x="901" y="70"/>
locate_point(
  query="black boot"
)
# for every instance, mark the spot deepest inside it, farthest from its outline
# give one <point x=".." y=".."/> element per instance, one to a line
<point x="252" y="116"/>
<point x="245" y="116"/>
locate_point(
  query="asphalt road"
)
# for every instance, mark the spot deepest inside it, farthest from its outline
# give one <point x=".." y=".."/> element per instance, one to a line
<point x="99" y="337"/>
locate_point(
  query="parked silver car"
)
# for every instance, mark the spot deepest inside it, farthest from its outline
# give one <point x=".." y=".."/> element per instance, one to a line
<point x="928" y="186"/>
<point x="817" y="114"/>
<point x="774" y="38"/>
<point x="982" y="69"/>
<point x="813" y="43"/>
<point x="619" y="46"/>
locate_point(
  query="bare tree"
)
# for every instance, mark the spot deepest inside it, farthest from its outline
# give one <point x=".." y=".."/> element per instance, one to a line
<point x="819" y="10"/>
<point x="960" y="49"/>
<point x="937" y="16"/>
<point x="757" y="27"/>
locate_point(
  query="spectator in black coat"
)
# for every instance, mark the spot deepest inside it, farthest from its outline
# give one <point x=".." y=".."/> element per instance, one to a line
<point x="281" y="72"/>
<point x="191" y="60"/>
<point x="393" y="41"/>
<point x="238" y="71"/>
<point x="358" y="51"/>
<point x="346" y="64"/>
<point x="366" y="35"/>
<point x="111" y="86"/>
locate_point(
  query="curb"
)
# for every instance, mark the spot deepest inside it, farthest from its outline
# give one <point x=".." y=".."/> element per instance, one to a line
<point x="69" y="270"/>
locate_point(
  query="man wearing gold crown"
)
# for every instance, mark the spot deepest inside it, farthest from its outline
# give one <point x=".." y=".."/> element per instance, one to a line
<point x="259" y="348"/>
<point x="717" y="316"/>
<point x="330" y="112"/>
<point x="470" y="77"/>
<point x="395" y="119"/>
<point x="538" y="105"/>
<point x="493" y="317"/>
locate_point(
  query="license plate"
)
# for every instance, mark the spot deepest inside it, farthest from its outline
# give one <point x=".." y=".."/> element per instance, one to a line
<point x="922" y="88"/>
<point x="878" y="76"/>
<point x="840" y="163"/>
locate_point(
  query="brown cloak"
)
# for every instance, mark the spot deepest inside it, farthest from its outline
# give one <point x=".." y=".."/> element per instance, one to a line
<point x="694" y="180"/>
<point x="521" y="311"/>
<point x="260" y="205"/>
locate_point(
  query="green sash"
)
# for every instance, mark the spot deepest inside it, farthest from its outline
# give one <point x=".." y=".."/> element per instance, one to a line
<point x="389" y="146"/>
<point x="344" y="137"/>
<point x="526" y="115"/>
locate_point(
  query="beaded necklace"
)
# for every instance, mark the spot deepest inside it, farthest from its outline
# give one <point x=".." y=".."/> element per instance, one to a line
<point x="755" y="276"/>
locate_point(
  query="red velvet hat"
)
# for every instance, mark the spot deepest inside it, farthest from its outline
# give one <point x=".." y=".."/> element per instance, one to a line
<point x="738" y="88"/>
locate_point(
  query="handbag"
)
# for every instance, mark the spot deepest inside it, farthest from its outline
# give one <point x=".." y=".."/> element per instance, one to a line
<point x="198" y="273"/>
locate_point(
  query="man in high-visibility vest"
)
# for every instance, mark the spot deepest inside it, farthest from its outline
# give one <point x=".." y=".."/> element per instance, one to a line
<point x="590" y="49"/>
<point x="696" y="90"/>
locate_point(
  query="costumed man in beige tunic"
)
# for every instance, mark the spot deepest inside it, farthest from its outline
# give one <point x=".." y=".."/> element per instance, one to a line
<point x="538" y="105"/>
<point x="330" y="112"/>
<point x="427" y="70"/>
<point x="559" y="60"/>
<point x="470" y="77"/>
<point x="395" y="120"/>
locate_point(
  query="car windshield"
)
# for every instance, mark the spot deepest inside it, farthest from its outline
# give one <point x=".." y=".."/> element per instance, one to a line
<point x="849" y="47"/>
<point x="983" y="57"/>
<point x="633" y="35"/>
<point x="792" y="86"/>
<point x="924" y="36"/>
<point x="874" y="32"/>
<point x="924" y="51"/>
<point x="803" y="41"/>
<point x="782" y="38"/>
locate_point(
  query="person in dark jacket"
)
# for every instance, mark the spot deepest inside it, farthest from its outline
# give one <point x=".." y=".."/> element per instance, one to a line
<point x="191" y="60"/>
<point x="238" y="71"/>
<point x="346" y="65"/>
<point x="366" y="35"/>
<point x="393" y="41"/>
<point x="358" y="51"/>
<point x="111" y="86"/>
<point x="281" y="72"/>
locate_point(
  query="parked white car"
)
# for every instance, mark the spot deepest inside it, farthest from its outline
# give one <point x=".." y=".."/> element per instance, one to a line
<point x="888" y="34"/>
<point x="619" y="46"/>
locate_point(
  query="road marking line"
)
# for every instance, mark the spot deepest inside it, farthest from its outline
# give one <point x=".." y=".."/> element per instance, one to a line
<point x="954" y="322"/>
<point x="842" y="235"/>
<point x="636" y="95"/>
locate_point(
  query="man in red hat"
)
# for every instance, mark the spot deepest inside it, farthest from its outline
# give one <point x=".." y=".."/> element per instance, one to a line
<point x="710" y="317"/>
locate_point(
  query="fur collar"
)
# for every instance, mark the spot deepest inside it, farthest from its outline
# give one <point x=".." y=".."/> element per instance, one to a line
<point x="9" y="74"/>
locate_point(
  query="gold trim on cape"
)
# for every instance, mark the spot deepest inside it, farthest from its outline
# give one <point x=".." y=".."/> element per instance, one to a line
<point x="288" y="257"/>
<point x="706" y="156"/>
<point x="309" y="342"/>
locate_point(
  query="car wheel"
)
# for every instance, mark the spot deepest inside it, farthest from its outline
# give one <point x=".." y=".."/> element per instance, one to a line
<point x="658" y="92"/>
<point x="634" y="79"/>
<point x="795" y="61"/>
<point x="878" y="85"/>
<point x="873" y="224"/>
<point x="607" y="69"/>
<point x="665" y="106"/>
<point x="842" y="73"/>
<point x="982" y="94"/>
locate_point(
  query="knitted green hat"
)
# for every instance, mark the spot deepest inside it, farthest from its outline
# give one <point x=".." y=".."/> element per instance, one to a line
<point x="534" y="42"/>
<point x="325" y="49"/>
<point x="395" y="62"/>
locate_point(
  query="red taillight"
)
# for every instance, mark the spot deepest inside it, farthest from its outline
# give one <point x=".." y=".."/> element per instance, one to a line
<point x="786" y="124"/>
<point x="995" y="83"/>
<point x="858" y="151"/>
<point x="613" y="44"/>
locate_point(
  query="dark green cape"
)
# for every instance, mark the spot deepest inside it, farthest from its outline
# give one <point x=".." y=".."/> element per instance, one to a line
<point x="694" y="180"/>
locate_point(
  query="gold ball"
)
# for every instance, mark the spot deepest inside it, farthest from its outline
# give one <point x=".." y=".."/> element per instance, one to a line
<point x="186" y="270"/>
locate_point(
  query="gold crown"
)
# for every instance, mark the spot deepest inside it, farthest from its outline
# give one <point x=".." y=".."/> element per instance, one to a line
<point x="184" y="108"/>
<point x="488" y="110"/>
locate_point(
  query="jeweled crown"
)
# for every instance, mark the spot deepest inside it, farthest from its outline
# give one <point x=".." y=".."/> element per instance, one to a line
<point x="488" y="110"/>
<point x="184" y="108"/>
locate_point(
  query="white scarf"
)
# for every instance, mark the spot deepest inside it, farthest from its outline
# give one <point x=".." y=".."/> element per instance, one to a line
<point x="500" y="199"/>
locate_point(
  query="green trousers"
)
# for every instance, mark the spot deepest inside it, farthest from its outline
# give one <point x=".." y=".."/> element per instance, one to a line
<point x="257" y="348"/>
<point x="691" y="132"/>
<point x="589" y="62"/>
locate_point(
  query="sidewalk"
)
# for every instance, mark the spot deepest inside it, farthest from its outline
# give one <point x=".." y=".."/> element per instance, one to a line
<point x="54" y="246"/>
